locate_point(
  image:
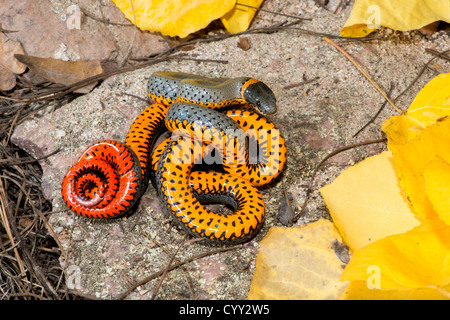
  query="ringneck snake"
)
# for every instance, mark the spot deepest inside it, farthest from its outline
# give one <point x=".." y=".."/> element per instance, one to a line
<point x="228" y="115"/>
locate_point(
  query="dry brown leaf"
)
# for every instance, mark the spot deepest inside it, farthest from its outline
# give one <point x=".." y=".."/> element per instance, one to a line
<point x="298" y="263"/>
<point x="7" y="79"/>
<point x="8" y="64"/>
<point x="63" y="72"/>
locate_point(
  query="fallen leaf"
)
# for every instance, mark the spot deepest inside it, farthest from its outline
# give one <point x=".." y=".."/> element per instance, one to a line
<point x="298" y="263"/>
<point x="358" y="290"/>
<point x="174" y="17"/>
<point x="367" y="204"/>
<point x="415" y="259"/>
<point x="240" y="17"/>
<point x="429" y="29"/>
<point x="7" y="79"/>
<point x="437" y="188"/>
<point x="63" y="72"/>
<point x="430" y="104"/>
<point x="411" y="160"/>
<point x="419" y="137"/>
<point x="367" y="15"/>
<point x="8" y="64"/>
<point x="409" y="260"/>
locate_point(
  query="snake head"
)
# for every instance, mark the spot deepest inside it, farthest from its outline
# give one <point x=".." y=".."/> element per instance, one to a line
<point x="261" y="97"/>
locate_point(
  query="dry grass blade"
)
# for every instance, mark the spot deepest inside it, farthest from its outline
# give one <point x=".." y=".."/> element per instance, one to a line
<point x="29" y="264"/>
<point x="7" y="227"/>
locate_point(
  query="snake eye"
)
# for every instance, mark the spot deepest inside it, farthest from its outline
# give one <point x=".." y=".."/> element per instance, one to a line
<point x="261" y="97"/>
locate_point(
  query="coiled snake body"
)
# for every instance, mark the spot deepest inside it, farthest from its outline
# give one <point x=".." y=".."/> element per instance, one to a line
<point x="110" y="176"/>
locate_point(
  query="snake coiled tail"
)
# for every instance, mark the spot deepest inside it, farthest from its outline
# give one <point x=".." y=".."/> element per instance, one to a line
<point x="105" y="182"/>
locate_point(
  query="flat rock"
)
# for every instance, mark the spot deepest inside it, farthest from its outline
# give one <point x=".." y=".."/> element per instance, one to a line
<point x="49" y="29"/>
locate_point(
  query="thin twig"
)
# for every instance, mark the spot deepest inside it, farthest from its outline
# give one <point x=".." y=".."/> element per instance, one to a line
<point x="4" y="217"/>
<point x="185" y="242"/>
<point x="294" y="85"/>
<point x="364" y="73"/>
<point x="9" y="162"/>
<point x="174" y="266"/>
<point x="421" y="72"/>
<point x="14" y="123"/>
<point x="156" y="58"/>
<point x="377" y="113"/>
<point x="134" y="96"/>
<point x="442" y="55"/>
<point x="105" y="21"/>
<point x="272" y="12"/>
<point x="169" y="254"/>
<point x="130" y="47"/>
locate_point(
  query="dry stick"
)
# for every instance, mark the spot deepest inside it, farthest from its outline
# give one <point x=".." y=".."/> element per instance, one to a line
<point x="27" y="160"/>
<point x="338" y="7"/>
<point x="34" y="267"/>
<point x="421" y="72"/>
<point x="364" y="73"/>
<point x="272" y="12"/>
<point x="442" y="55"/>
<point x="185" y="242"/>
<point x="38" y="212"/>
<point x="160" y="57"/>
<point x="333" y="153"/>
<point x="169" y="254"/>
<point x="14" y="123"/>
<point x="128" y="53"/>
<point x="437" y="55"/>
<point x="146" y="100"/>
<point x="176" y="265"/>
<point x="27" y="294"/>
<point x="377" y="113"/>
<point x="298" y="84"/>
<point x="58" y="92"/>
<point x="7" y="227"/>
<point x="87" y="14"/>
<point x="329" y="35"/>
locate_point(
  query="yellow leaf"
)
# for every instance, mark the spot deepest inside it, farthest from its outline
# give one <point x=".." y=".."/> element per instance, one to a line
<point x="430" y="104"/>
<point x="239" y="19"/>
<point x="298" y="263"/>
<point x="412" y="158"/>
<point x="366" y="203"/>
<point x="437" y="188"/>
<point x="174" y="17"/>
<point x="394" y="14"/>
<point x="358" y="290"/>
<point x="418" y="137"/>
<point x="416" y="259"/>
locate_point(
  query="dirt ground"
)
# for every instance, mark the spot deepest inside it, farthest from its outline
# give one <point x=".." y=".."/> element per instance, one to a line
<point x="322" y="99"/>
